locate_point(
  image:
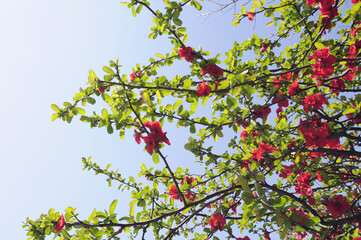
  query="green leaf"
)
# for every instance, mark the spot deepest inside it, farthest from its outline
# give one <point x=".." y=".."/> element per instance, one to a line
<point x="160" y="55"/>
<point x="355" y="8"/>
<point x="133" y="12"/>
<point x="110" y="129"/>
<point x="108" y="70"/>
<point x="155" y="158"/>
<point x="131" y="210"/>
<point x="159" y="97"/>
<point x="176" y="104"/>
<point x="105" y="114"/>
<point x="319" y="45"/>
<point x="80" y="111"/>
<point x="112" y="206"/>
<point x="348" y="111"/>
<point x="54" y="116"/>
<point x="256" y="3"/>
<point x="194" y="106"/>
<point x="146" y="98"/>
<point x="55" y="108"/>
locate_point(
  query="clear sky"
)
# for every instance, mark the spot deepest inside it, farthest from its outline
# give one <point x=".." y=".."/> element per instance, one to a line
<point x="46" y="50"/>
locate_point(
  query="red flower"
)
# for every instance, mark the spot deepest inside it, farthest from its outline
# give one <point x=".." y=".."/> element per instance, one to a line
<point x="241" y="122"/>
<point x="250" y="15"/>
<point x="244" y="238"/>
<point x="213" y="70"/>
<point x="61" y="223"/>
<point x="337" y="206"/>
<point x="217" y="222"/>
<point x="293" y="89"/>
<point x="321" y="53"/>
<point x="261" y="112"/>
<point x="319" y="176"/>
<point x="101" y="89"/>
<point x="173" y="192"/>
<point x="189" y="180"/>
<point x="137" y="137"/>
<point x="134" y="75"/>
<point x="155" y="137"/>
<point x="233" y="207"/>
<point x="312" y="201"/>
<point x="337" y="84"/>
<point x="203" y="89"/>
<point x="187" y="53"/>
<point x="315" y="101"/>
<point x="303" y="185"/>
<point x="264" y="47"/>
<point x="280" y="101"/>
<point x="266" y="235"/>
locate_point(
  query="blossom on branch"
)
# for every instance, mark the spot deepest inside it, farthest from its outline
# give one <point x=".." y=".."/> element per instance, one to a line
<point x="61" y="223"/>
<point x="338" y="206"/>
<point x="217" y="222"/>
<point x="203" y="89"/>
<point x="187" y="53"/>
<point x="155" y="137"/>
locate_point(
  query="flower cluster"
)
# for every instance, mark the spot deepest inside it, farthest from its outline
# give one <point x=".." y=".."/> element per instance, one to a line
<point x="213" y="70"/>
<point x="315" y="101"/>
<point x="187" y="53"/>
<point x="303" y="185"/>
<point x="217" y="221"/>
<point x="203" y="89"/>
<point x="323" y="67"/>
<point x="175" y="195"/>
<point x="261" y="112"/>
<point x="326" y="10"/>
<point x="316" y="134"/>
<point x="263" y="148"/>
<point x="155" y="137"/>
<point x="338" y="206"/>
<point x="284" y="77"/>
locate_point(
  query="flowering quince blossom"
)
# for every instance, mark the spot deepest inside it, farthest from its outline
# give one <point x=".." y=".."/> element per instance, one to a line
<point x="245" y="134"/>
<point x="187" y="53"/>
<point x="154" y="138"/>
<point x="174" y="193"/>
<point x="336" y="85"/>
<point x="323" y="67"/>
<point x="338" y="206"/>
<point x="266" y="235"/>
<point x="244" y="238"/>
<point x="250" y="15"/>
<point x="61" y="223"/>
<point x="284" y="77"/>
<point x="303" y="185"/>
<point x="134" y="75"/>
<point x="101" y="89"/>
<point x="264" y="47"/>
<point x="293" y="89"/>
<point x="137" y="137"/>
<point x="316" y="133"/>
<point x="217" y="221"/>
<point x="314" y="100"/>
<point x="261" y="112"/>
<point x="203" y="89"/>
<point x="213" y="70"/>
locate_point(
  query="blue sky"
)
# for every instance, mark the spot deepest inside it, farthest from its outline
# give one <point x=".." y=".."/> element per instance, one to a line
<point x="46" y="50"/>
